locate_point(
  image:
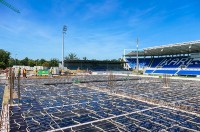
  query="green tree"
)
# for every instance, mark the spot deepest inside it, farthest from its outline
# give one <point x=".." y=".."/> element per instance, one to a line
<point x="85" y="58"/>
<point x="24" y="61"/>
<point x="37" y="62"/>
<point x="121" y="59"/>
<point x="17" y="62"/>
<point x="4" y="58"/>
<point x="106" y="60"/>
<point x="12" y="62"/>
<point x="45" y="64"/>
<point x="2" y="65"/>
<point x="71" y="56"/>
<point x="115" y="60"/>
<point x="41" y="61"/>
<point x="53" y="62"/>
<point x="31" y="62"/>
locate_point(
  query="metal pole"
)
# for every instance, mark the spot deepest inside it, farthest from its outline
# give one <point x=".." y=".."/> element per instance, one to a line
<point x="124" y="59"/>
<point x="13" y="83"/>
<point x="10" y="82"/>
<point x="64" y="31"/>
<point x="11" y="86"/>
<point x="18" y="87"/>
<point x="124" y="55"/>
<point x="137" y="67"/>
<point x="63" y="53"/>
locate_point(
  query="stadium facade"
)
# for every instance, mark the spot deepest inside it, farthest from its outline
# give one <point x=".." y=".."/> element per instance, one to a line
<point x="174" y="59"/>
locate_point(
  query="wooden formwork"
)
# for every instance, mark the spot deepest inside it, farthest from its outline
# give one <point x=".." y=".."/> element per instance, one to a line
<point x="8" y="96"/>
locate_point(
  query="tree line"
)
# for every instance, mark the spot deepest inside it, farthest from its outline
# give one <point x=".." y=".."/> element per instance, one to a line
<point x="73" y="56"/>
<point x="7" y="61"/>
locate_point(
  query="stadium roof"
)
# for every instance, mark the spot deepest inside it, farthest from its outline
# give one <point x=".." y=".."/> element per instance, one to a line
<point x="171" y="49"/>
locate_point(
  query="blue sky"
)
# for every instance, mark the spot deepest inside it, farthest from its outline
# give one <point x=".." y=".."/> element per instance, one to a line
<point x="97" y="29"/>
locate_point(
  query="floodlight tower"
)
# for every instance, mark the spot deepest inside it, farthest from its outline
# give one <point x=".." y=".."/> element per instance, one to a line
<point x="137" y="67"/>
<point x="64" y="32"/>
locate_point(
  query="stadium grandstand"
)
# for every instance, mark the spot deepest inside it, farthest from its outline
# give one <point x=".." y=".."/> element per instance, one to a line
<point x="174" y="59"/>
<point x="94" y="65"/>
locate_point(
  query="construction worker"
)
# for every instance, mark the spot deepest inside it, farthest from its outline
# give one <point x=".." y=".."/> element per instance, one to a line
<point x="50" y="72"/>
<point x="24" y="72"/>
<point x="19" y="71"/>
<point x="16" y="72"/>
<point x="60" y="72"/>
<point x="36" y="71"/>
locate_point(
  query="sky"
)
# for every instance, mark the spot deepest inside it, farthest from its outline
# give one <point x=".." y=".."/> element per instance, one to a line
<point x="96" y="29"/>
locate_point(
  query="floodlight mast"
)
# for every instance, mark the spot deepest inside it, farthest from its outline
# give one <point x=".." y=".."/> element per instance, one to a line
<point x="64" y="32"/>
<point x="137" y="67"/>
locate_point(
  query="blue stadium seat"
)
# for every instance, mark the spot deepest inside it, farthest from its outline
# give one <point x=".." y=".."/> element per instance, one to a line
<point x="194" y="64"/>
<point x="168" y="65"/>
<point x="189" y="72"/>
<point x="175" y="62"/>
<point x="143" y="62"/>
<point x="149" y="71"/>
<point x="165" y="71"/>
<point x="156" y="61"/>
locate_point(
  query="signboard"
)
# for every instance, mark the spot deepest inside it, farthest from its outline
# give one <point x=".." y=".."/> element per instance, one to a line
<point x="43" y="72"/>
